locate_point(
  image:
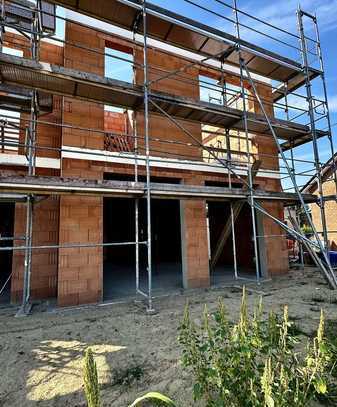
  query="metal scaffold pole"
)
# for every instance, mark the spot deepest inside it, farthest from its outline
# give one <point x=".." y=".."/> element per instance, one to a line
<point x="324" y="265"/>
<point x="249" y="157"/>
<point x="136" y="208"/>
<point x="147" y="156"/>
<point x="234" y="242"/>
<point x="238" y="62"/>
<point x="25" y="307"/>
<point x="32" y="134"/>
<point x="325" y="94"/>
<point x="135" y="145"/>
<point x="2" y="28"/>
<point x="310" y="100"/>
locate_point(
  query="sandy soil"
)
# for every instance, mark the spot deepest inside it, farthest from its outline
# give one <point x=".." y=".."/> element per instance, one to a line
<point x="41" y="356"/>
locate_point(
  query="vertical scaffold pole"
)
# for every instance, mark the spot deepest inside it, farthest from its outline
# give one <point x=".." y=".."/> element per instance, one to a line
<point x="234" y="242"/>
<point x="305" y="62"/>
<point x="2" y="28"/>
<point x="25" y="307"/>
<point x="135" y="134"/>
<point x="147" y="157"/>
<point x="136" y="203"/>
<point x="325" y="93"/>
<point x="249" y="163"/>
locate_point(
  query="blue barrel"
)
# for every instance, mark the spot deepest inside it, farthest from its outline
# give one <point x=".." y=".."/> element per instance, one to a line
<point x="333" y="258"/>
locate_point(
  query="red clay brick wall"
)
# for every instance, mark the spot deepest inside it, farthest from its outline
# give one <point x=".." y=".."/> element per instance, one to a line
<point x="160" y="127"/>
<point x="116" y="122"/>
<point x="275" y="244"/>
<point x="330" y="214"/>
<point x="47" y="136"/>
<point x="276" y="247"/>
<point x="46" y="212"/>
<point x="80" y="269"/>
<point x="44" y="261"/>
<point x="81" y="218"/>
<point x="265" y="144"/>
<point x="194" y="241"/>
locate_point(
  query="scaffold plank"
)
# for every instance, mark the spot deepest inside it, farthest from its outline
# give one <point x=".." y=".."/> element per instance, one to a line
<point x="60" y="186"/>
<point x="88" y="86"/>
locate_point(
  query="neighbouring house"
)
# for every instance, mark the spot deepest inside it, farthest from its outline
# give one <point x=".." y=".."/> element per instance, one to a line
<point x="328" y="174"/>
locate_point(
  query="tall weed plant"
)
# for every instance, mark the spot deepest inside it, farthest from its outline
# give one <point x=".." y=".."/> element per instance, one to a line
<point x="254" y="362"/>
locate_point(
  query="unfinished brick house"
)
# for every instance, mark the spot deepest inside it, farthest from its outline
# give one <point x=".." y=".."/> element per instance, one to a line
<point x="120" y="173"/>
<point x="328" y="182"/>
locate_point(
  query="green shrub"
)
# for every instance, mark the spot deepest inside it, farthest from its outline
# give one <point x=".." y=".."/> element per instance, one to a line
<point x="90" y="377"/>
<point x="253" y="362"/>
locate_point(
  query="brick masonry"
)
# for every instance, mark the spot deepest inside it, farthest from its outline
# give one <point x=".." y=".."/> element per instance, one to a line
<point x="44" y="261"/>
<point x="330" y="214"/>
<point x="194" y="241"/>
<point x="75" y="275"/>
<point x="80" y="274"/>
<point x="46" y="212"/>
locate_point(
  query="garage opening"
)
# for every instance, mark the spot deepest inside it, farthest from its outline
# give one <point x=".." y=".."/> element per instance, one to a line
<point x="6" y="234"/>
<point x="219" y="214"/>
<point x="119" y="279"/>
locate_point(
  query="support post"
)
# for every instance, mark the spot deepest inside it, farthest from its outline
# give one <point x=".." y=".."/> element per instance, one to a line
<point x="305" y="62"/>
<point x="234" y="243"/>
<point x="147" y="156"/>
<point x="26" y="306"/>
<point x="2" y="28"/>
<point x="249" y="162"/>
<point x="321" y="63"/>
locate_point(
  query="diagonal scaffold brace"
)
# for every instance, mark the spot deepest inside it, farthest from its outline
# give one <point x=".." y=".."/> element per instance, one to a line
<point x="312" y="246"/>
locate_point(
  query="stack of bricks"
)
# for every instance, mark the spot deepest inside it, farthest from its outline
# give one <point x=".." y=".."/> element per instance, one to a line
<point x="119" y="128"/>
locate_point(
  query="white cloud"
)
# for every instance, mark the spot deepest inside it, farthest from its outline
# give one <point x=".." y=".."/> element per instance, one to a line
<point x="333" y="104"/>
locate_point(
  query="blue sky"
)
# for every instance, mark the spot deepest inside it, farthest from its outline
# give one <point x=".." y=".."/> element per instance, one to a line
<point x="281" y="14"/>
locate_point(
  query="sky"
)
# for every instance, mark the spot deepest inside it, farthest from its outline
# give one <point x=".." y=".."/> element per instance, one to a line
<point x="280" y="14"/>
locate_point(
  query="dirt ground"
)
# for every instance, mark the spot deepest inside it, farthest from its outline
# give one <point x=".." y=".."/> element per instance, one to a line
<point x="41" y="356"/>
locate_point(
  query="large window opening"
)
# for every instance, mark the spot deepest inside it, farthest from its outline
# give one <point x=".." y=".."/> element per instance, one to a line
<point x="220" y="92"/>
<point x="222" y="143"/>
<point x="119" y="62"/>
<point x="10" y="119"/>
<point x="118" y="121"/>
<point x="119" y="279"/>
<point x="6" y="234"/>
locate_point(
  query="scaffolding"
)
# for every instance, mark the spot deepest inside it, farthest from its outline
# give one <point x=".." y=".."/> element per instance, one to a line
<point x="26" y="85"/>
